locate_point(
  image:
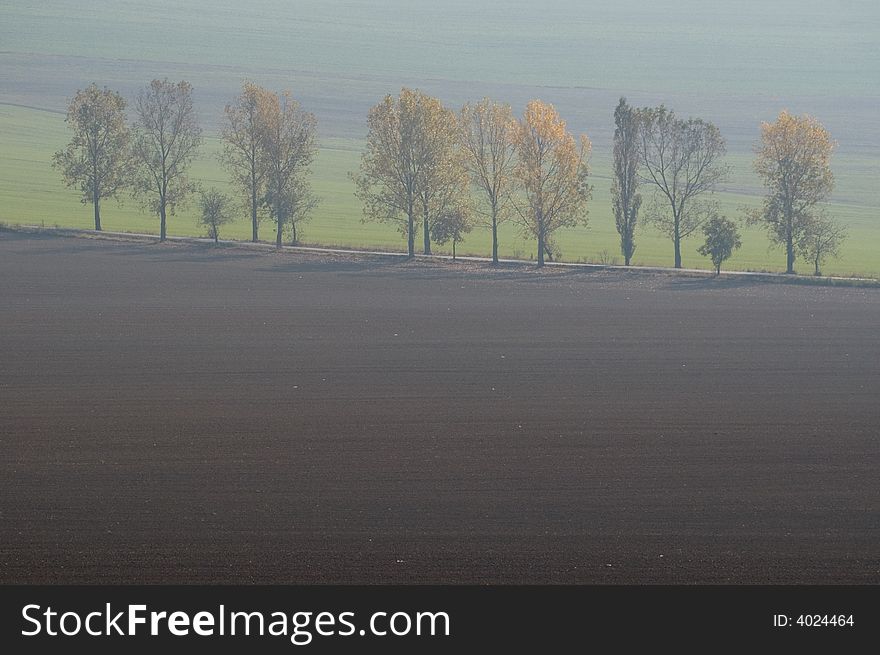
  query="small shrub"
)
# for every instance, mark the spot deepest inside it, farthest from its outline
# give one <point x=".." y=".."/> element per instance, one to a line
<point x="722" y="238"/>
<point x="215" y="212"/>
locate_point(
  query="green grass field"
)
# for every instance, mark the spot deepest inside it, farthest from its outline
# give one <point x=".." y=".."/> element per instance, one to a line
<point x="31" y="192"/>
<point x="734" y="64"/>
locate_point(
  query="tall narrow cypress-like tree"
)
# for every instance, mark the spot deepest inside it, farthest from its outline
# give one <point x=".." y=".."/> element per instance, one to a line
<point x="624" y="188"/>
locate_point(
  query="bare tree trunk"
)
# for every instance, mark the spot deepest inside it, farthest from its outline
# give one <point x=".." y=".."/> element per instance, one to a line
<point x="494" y="236"/>
<point x="453" y="250"/>
<point x="541" y="247"/>
<point x="162" y="217"/>
<point x="676" y="238"/>
<point x="278" y="234"/>
<point x="427" y="235"/>
<point x="789" y="255"/>
<point x="630" y="239"/>
<point x="97" y="214"/>
<point x="254" y="210"/>
<point x="411" y="237"/>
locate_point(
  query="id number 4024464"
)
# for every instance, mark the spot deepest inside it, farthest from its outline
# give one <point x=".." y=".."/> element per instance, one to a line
<point x="813" y="620"/>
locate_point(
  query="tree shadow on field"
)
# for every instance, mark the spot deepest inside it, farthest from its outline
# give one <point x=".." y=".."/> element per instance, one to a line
<point x="426" y="271"/>
<point x="530" y="274"/>
<point x="712" y="283"/>
<point x="290" y="265"/>
<point x="195" y="253"/>
<point x="74" y="246"/>
<point x="476" y="272"/>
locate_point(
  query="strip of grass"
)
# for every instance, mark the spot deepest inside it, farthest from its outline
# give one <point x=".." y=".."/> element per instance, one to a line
<point x="31" y="192"/>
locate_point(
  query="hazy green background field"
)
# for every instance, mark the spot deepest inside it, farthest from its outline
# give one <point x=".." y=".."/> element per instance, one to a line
<point x="733" y="63"/>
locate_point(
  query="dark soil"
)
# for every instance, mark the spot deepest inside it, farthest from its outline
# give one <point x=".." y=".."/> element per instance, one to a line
<point x="189" y="414"/>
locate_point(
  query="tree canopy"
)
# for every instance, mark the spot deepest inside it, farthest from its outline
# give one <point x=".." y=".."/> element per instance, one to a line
<point x="98" y="158"/>
<point x="288" y="144"/>
<point x="681" y="159"/>
<point x="242" y="156"/>
<point x="488" y="137"/>
<point x="625" y="198"/>
<point x="722" y="238"/>
<point x="793" y="160"/>
<point x="168" y="137"/>
<point x="552" y="171"/>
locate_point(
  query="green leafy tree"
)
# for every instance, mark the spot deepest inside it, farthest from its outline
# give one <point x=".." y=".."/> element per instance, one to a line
<point x="215" y="212"/>
<point x="296" y="205"/>
<point x="821" y="238"/>
<point x="681" y="159"/>
<point x="98" y="158"/>
<point x="625" y="183"/>
<point x="452" y="226"/>
<point x="722" y="238"/>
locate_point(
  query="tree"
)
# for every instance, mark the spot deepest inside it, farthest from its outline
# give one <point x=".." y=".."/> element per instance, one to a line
<point x="400" y="162"/>
<point x="552" y="171"/>
<point x="215" y="212"/>
<point x="297" y="206"/>
<point x="793" y="159"/>
<point x="681" y="159"/>
<point x="722" y="238"/>
<point x="98" y="158"/>
<point x="488" y="138"/>
<point x="241" y="154"/>
<point x="452" y="226"/>
<point x="443" y="181"/>
<point x="167" y="139"/>
<point x="288" y="144"/>
<point x="821" y="238"/>
<point x="624" y="189"/>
